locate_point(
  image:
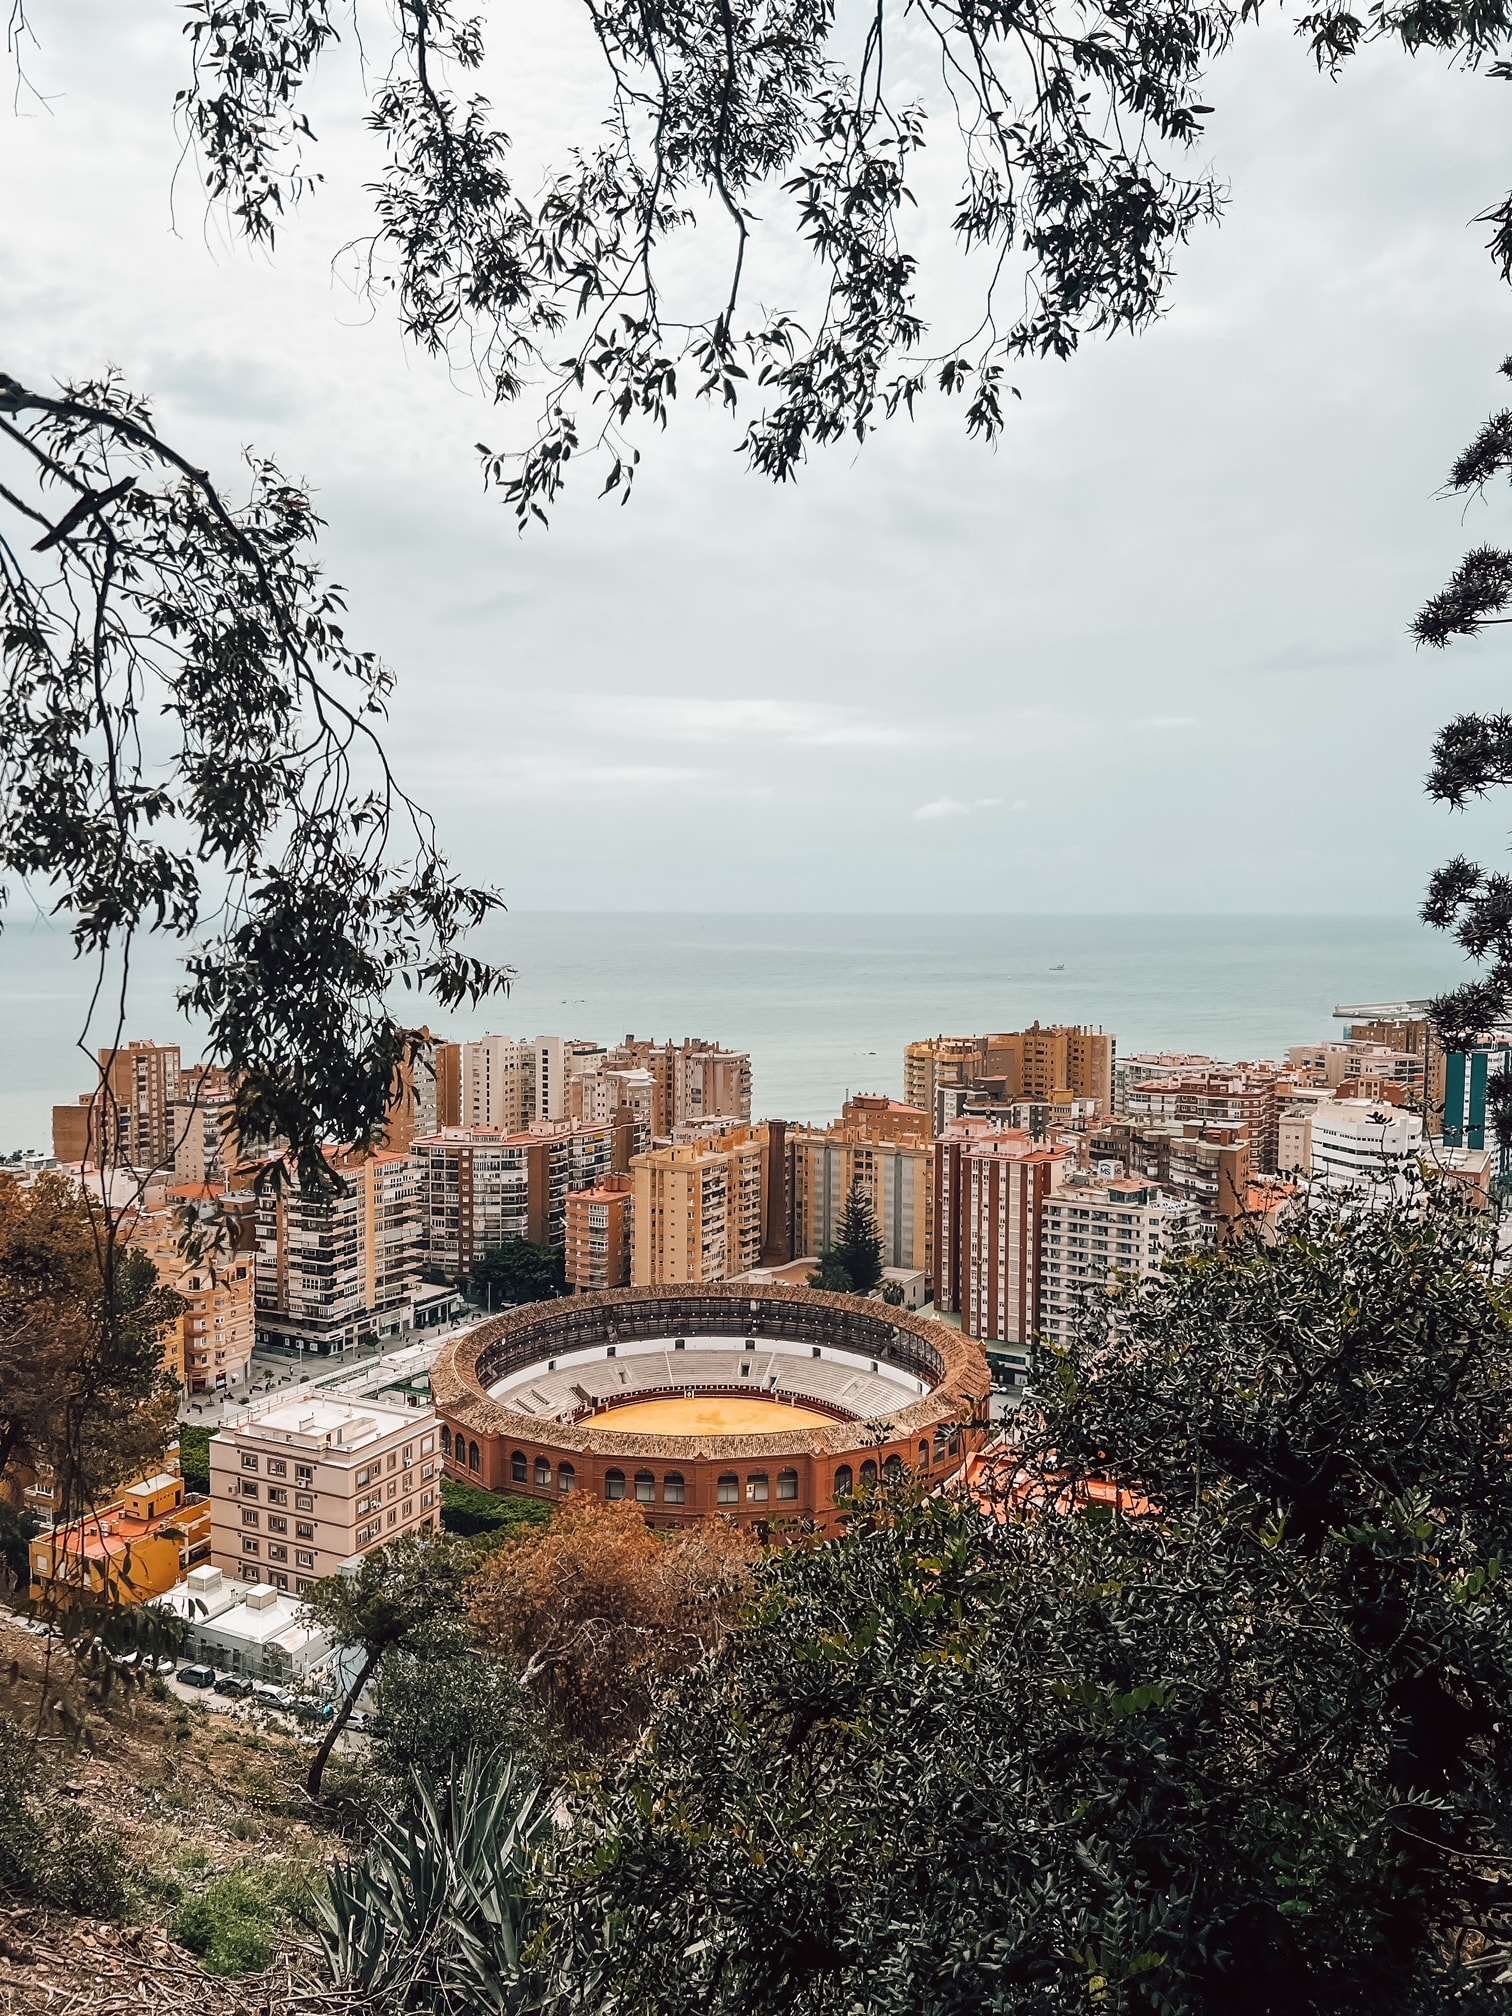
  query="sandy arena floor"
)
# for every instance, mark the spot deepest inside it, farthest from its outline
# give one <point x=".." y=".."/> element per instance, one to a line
<point x="710" y="1414"/>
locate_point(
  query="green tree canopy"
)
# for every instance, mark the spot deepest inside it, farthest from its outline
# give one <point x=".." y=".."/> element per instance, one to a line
<point x="520" y="1270"/>
<point x="1246" y="1751"/>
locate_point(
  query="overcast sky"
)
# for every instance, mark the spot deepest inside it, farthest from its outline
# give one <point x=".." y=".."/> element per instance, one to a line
<point x="1148" y="655"/>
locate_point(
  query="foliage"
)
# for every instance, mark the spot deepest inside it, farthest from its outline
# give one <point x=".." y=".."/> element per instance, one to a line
<point x="405" y="1597"/>
<point x="431" y="1711"/>
<point x="194" y="1456"/>
<point x="234" y="1922"/>
<point x="470" y="1510"/>
<point x="774" y="124"/>
<point x="16" y="1529"/>
<point x="600" y="1611"/>
<point x="520" y="1270"/>
<point x="853" y="1265"/>
<point x="52" y="1851"/>
<point x="261" y="806"/>
<point x="82" y="1382"/>
<point x="436" y="1913"/>
<point x="892" y="1294"/>
<point x="1246" y="1751"/>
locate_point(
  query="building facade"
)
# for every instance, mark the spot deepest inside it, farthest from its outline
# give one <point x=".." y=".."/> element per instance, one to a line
<point x="480" y="1187"/>
<point x="1093" y="1233"/>
<point x="299" y="1486"/>
<point x="131" y="1550"/>
<point x="699" y="1210"/>
<point x="598" y="1234"/>
<point x="210" y="1344"/>
<point x="335" y="1271"/>
<point x="887" y="1150"/>
<point x="1008" y="1181"/>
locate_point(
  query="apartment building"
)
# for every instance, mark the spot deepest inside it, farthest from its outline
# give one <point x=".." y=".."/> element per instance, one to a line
<point x="1040" y="1065"/>
<point x="948" y="1249"/>
<point x="128" y="1116"/>
<point x="1144" y="1065"/>
<point x="298" y="1486"/>
<point x="1008" y="1180"/>
<point x="128" y="1551"/>
<point x="887" y="1149"/>
<point x="1204" y="1164"/>
<point x="598" y="1234"/>
<point x="334" y="1271"/>
<point x="480" y="1186"/>
<point x="1369" y="1149"/>
<point x="699" y="1211"/>
<point x="692" y="1081"/>
<point x="1092" y="1232"/>
<point x="1242" y="1099"/>
<point x="498" y="1083"/>
<point x="209" y="1346"/>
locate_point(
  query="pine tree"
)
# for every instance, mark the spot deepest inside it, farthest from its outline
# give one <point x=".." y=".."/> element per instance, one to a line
<point x="859" y="1247"/>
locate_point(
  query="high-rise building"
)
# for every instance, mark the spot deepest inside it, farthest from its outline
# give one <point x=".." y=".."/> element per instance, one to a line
<point x="1205" y="1164"/>
<point x="1091" y="1232"/>
<point x="299" y="1486"/>
<point x="1243" y="1098"/>
<point x="1007" y="1181"/>
<point x="128" y="1117"/>
<point x="334" y="1271"/>
<point x="692" y="1081"/>
<point x="700" y="1208"/>
<point x="888" y="1150"/>
<point x="480" y="1186"/>
<point x="1361" y="1147"/>
<point x="598" y="1234"/>
<point x="447" y="1059"/>
<point x="209" y="1345"/>
<point x="1147" y="1064"/>
<point x="1054" y="1066"/>
<point x="498" y="1083"/>
<point x="938" y="1061"/>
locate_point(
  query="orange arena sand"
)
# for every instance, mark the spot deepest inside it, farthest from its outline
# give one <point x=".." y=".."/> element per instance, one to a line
<point x="711" y="1414"/>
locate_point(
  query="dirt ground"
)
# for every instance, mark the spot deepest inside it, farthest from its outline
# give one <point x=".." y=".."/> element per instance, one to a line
<point x="191" y="1795"/>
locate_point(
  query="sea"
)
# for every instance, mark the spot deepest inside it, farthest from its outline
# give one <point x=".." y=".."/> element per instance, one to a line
<point x="824" y="1004"/>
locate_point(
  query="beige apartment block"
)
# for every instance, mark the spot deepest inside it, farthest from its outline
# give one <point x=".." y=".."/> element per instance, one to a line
<point x="334" y="1271"/>
<point x="692" y="1081"/>
<point x="1243" y="1099"/>
<point x="884" y="1147"/>
<point x="298" y="1486"/>
<point x="938" y="1061"/>
<point x="128" y="1116"/>
<point x="700" y="1208"/>
<point x="210" y="1344"/>
<point x="1091" y="1233"/>
<point x="1046" y="1065"/>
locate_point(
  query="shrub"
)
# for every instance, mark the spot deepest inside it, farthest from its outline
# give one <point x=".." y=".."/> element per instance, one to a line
<point x="234" y="1922"/>
<point x="194" y="1456"/>
<point x="431" y="1711"/>
<point x="479" y="1514"/>
<point x="52" y="1852"/>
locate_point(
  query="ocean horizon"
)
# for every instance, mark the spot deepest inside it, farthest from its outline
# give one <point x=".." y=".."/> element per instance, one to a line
<point x="824" y="1003"/>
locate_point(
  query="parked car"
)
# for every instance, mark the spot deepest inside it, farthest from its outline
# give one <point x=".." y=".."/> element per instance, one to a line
<point x="234" y="1684"/>
<point x="197" y="1676"/>
<point x="314" y="1711"/>
<point x="162" y="1667"/>
<point x="272" y="1697"/>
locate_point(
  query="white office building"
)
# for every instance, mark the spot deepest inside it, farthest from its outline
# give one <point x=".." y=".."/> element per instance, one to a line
<point x="1368" y="1149"/>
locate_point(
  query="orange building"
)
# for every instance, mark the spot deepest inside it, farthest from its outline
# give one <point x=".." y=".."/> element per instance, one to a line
<point x="598" y="1234"/>
<point x="135" y="1548"/>
<point x="210" y="1345"/>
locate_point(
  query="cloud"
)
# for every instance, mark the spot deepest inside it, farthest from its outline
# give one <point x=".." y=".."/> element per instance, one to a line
<point x="943" y="808"/>
<point x="810" y="724"/>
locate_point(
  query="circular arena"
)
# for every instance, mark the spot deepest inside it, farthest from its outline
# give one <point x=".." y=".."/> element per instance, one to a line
<point x="759" y="1404"/>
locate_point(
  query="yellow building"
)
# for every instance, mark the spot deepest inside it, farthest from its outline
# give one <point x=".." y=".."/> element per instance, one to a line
<point x="211" y="1343"/>
<point x="885" y="1148"/>
<point x="700" y="1208"/>
<point x="1051" y="1065"/>
<point x="136" y="1547"/>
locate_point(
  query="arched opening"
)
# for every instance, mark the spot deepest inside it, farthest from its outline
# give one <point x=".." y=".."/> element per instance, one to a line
<point x="445" y="1440"/>
<point x="645" y="1488"/>
<point x="923" y="1455"/>
<point x="474" y="1460"/>
<point x="787" y="1484"/>
<point x="519" y="1469"/>
<point x="756" y="1487"/>
<point x="674" y="1489"/>
<point x="868" y="1474"/>
<point x="566" y="1478"/>
<point x="728" y="1490"/>
<point x="892" y="1469"/>
<point x="614" y="1483"/>
<point x="845" y="1481"/>
<point x="542" y="1474"/>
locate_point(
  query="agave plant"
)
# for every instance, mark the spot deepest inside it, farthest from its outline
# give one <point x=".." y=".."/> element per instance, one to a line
<point x="435" y="1914"/>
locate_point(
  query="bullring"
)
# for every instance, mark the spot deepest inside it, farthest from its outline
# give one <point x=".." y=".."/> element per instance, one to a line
<point x="855" y="1391"/>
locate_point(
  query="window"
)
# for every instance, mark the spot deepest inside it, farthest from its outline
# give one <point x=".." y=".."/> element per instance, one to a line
<point x="868" y="1473"/>
<point x="277" y="1467"/>
<point x="892" y="1469"/>
<point x="674" y="1490"/>
<point x="756" y="1487"/>
<point x="304" y="1559"/>
<point x="474" y="1462"/>
<point x="393" y="1516"/>
<point x="542" y="1474"/>
<point x="446" y="1442"/>
<point x="566" y="1478"/>
<point x="923" y="1455"/>
<point x="645" y="1488"/>
<point x="519" y="1467"/>
<point x="787" y="1483"/>
<point x="280" y="1580"/>
<point x="409" y="1453"/>
<point x="277" y="1497"/>
<point x="428" y="1446"/>
<point x="303" y="1502"/>
<point x="277" y="1525"/>
<point x="248" y="1490"/>
<point x="304" y="1529"/>
<point x="845" y="1481"/>
<point x="406" y="1510"/>
<point x="249" y="1518"/>
<point x="728" y="1491"/>
<point x="276" y="1553"/>
<point x="304" y="1473"/>
<point x="301" y="1583"/>
<point x="363" y="1476"/>
<point x="614" y="1483"/>
<point x="250" y="1546"/>
<point x="249" y="1462"/>
<point x="427" y="1499"/>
